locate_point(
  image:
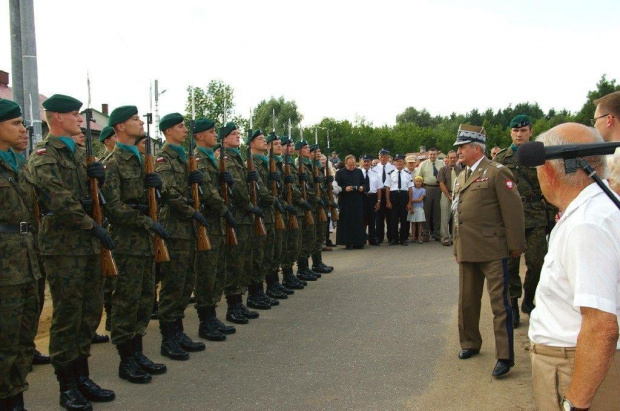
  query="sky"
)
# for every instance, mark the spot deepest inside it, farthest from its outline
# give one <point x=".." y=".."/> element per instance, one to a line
<point x="341" y="59"/>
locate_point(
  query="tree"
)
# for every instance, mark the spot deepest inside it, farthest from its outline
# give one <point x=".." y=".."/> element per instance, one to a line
<point x="420" y="118"/>
<point x="603" y="87"/>
<point x="284" y="110"/>
<point x="212" y="101"/>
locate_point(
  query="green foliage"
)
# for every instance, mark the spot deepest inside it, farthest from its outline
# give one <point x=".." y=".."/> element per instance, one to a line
<point x="284" y="110"/>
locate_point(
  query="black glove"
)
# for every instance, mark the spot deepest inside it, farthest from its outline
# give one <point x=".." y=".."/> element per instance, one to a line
<point x="229" y="219"/>
<point x="252" y="175"/>
<point x="152" y="180"/>
<point x="257" y="211"/>
<point x="329" y="179"/>
<point x="289" y="208"/>
<point x="226" y="177"/>
<point x="275" y="176"/>
<point x="321" y="202"/>
<point x="279" y="206"/>
<point x="200" y="218"/>
<point x="96" y="170"/>
<point x="306" y="205"/>
<point x="102" y="235"/>
<point x="319" y="179"/>
<point x="289" y="179"/>
<point x="333" y="204"/>
<point x="87" y="205"/>
<point x="303" y="177"/>
<point x="160" y="230"/>
<point x="195" y="177"/>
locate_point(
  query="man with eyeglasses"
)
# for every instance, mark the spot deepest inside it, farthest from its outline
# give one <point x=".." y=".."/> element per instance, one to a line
<point x="606" y="116"/>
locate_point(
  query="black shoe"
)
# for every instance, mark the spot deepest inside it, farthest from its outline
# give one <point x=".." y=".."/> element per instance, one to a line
<point x="271" y="301"/>
<point x="40" y="359"/>
<point x="283" y="289"/>
<point x="99" y="339"/>
<point x="527" y="306"/>
<point x="274" y="291"/>
<point x="502" y="367"/>
<point x="89" y="389"/>
<point x="252" y="315"/>
<point x="169" y="347"/>
<point x="468" y="353"/>
<point x="404" y="242"/>
<point x="155" y="310"/>
<point x="143" y="361"/>
<point x="184" y="341"/>
<point x="128" y="369"/>
<point x="297" y="285"/>
<point x="233" y="314"/>
<point x="255" y="301"/>
<point x="70" y="397"/>
<point x="209" y="331"/>
<point x="393" y="242"/>
<point x="516" y="318"/>
<point x="306" y="276"/>
<point x="225" y="329"/>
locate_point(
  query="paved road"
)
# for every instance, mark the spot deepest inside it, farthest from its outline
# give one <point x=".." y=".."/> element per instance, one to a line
<point x="367" y="336"/>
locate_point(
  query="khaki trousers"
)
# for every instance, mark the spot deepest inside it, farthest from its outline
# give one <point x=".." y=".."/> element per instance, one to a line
<point x="446" y="214"/>
<point x="471" y="283"/>
<point x="552" y="369"/>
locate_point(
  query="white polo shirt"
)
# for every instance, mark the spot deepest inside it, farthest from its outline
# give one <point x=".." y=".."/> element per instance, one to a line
<point x="581" y="269"/>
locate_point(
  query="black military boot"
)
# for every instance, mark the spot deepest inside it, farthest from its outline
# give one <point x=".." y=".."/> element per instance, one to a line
<point x="309" y="270"/>
<point x="255" y="300"/>
<point x="208" y="329"/>
<point x="232" y="313"/>
<point x="70" y="397"/>
<point x="169" y="347"/>
<point x="303" y="272"/>
<point x="184" y="341"/>
<point x="274" y="291"/>
<point x="528" y="304"/>
<point x="40" y="359"/>
<point x="261" y="293"/>
<point x="290" y="281"/>
<point x="145" y="362"/>
<point x="14" y="403"/>
<point x="155" y="310"/>
<point x="516" y="318"/>
<point x="89" y="389"/>
<point x="252" y="315"/>
<point x="128" y="369"/>
<point x="279" y="285"/>
<point x="221" y="327"/>
<point x="318" y="266"/>
<point x="100" y="339"/>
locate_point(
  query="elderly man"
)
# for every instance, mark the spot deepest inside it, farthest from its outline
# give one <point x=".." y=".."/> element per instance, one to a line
<point x="429" y="170"/>
<point x="574" y="328"/>
<point x="446" y="177"/>
<point x="488" y="228"/>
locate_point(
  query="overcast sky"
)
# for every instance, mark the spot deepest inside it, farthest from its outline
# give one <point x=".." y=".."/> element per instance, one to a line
<point x="335" y="58"/>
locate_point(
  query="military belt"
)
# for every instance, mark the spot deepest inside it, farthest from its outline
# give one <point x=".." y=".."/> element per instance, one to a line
<point x="144" y="208"/>
<point x="534" y="199"/>
<point x="21" y="228"/>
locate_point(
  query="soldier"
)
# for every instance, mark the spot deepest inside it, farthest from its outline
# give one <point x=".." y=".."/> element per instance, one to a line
<point x="488" y="228"/>
<point x="308" y="232"/>
<point x="108" y="138"/>
<point x="127" y="210"/>
<point x="20" y="273"/>
<point x="321" y="227"/>
<point x="295" y="207"/>
<point x="178" y="276"/>
<point x="69" y="240"/>
<point x="535" y="213"/>
<point x="243" y="212"/>
<point x="211" y="265"/>
<point x="262" y="245"/>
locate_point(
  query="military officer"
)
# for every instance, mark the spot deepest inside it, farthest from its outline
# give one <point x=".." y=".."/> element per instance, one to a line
<point x="243" y="212"/>
<point x="262" y="245"/>
<point x="178" y="276"/>
<point x="323" y="201"/>
<point x="211" y="265"/>
<point x="535" y="213"/>
<point x="127" y="211"/>
<point x="69" y="240"/>
<point x="488" y="229"/>
<point x="308" y="232"/>
<point x="19" y="269"/>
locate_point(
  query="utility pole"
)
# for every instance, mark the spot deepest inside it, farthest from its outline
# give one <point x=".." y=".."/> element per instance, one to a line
<point x="16" y="54"/>
<point x="157" y="94"/>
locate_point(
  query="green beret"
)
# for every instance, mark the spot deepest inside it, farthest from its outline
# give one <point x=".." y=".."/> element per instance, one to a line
<point x="226" y="130"/>
<point x="300" y="144"/>
<point x="255" y="134"/>
<point x="520" y="120"/>
<point x="9" y="110"/>
<point x="272" y="137"/>
<point x="314" y="147"/>
<point x="203" y="124"/>
<point x="121" y="114"/>
<point x="106" y="132"/>
<point x="170" y="120"/>
<point x="59" y="103"/>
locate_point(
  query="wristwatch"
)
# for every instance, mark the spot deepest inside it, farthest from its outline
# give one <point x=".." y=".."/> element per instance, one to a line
<point x="567" y="406"/>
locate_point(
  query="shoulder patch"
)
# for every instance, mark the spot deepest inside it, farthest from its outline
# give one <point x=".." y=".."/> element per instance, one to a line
<point x="390" y="172"/>
<point x="41" y="151"/>
<point x="160" y="160"/>
<point x="407" y="171"/>
<point x="510" y="184"/>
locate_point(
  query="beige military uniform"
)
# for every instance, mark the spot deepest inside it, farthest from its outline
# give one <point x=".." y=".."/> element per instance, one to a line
<point x="488" y="224"/>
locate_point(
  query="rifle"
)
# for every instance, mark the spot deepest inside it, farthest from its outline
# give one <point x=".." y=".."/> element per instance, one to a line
<point x="320" y="211"/>
<point x="293" y="224"/>
<point x="202" y="239"/>
<point x="259" y="225"/>
<point x="308" y="216"/>
<point x="161" y="251"/>
<point x="108" y="265"/>
<point x="231" y="235"/>
<point x="330" y="195"/>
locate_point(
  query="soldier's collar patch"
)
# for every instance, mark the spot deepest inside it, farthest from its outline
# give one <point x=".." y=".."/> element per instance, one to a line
<point x="41" y="151"/>
<point x="481" y="179"/>
<point x="161" y="160"/>
<point x="510" y="184"/>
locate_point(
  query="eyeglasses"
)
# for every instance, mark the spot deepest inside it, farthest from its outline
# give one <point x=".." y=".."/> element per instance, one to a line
<point x="593" y="120"/>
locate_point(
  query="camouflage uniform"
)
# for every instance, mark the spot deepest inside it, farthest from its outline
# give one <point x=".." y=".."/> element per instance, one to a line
<point x="19" y="273"/>
<point x="321" y="227"/>
<point x="535" y="212"/>
<point x="125" y="194"/>
<point x="178" y="276"/>
<point x="308" y="239"/>
<point x="240" y="206"/>
<point x="291" y="246"/>
<point x="108" y="282"/>
<point x="70" y="253"/>
<point x="279" y="235"/>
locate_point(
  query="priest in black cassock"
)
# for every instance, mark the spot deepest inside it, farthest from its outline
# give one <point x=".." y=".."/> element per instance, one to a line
<point x="351" y="231"/>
